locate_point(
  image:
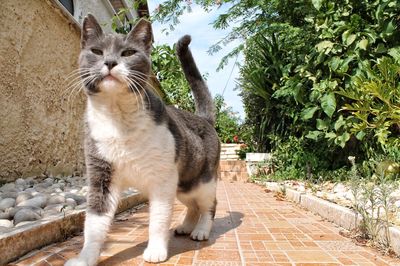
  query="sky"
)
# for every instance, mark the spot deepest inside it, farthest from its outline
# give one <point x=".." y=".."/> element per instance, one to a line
<point x="198" y="24"/>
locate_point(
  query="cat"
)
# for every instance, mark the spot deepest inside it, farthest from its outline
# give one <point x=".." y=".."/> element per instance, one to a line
<point x="133" y="139"/>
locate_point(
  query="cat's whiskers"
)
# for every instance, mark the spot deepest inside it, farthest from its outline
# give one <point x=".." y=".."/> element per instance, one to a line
<point x="143" y="88"/>
<point x="72" y="78"/>
<point x="76" y="74"/>
<point x="79" y="69"/>
<point x="72" y="86"/>
<point x="145" y="80"/>
<point x="141" y="73"/>
<point x="132" y="89"/>
<point x="126" y="74"/>
<point x="74" y="92"/>
<point x="75" y="88"/>
<point x="79" y="82"/>
<point x="136" y="74"/>
<point x="132" y="85"/>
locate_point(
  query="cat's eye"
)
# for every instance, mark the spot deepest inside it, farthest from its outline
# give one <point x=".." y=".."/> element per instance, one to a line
<point x="128" y="52"/>
<point x="97" y="51"/>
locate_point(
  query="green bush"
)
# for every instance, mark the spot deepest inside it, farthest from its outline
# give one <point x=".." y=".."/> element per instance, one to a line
<point x="327" y="83"/>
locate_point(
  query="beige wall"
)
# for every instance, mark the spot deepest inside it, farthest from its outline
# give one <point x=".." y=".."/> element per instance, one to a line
<point x="40" y="130"/>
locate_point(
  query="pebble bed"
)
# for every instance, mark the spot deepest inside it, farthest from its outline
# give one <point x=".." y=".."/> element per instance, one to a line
<point x="31" y="199"/>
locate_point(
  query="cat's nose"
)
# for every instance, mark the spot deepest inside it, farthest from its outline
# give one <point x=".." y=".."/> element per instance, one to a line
<point x="110" y="64"/>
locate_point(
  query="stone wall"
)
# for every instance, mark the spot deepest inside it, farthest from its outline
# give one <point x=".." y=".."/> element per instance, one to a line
<point x="41" y="120"/>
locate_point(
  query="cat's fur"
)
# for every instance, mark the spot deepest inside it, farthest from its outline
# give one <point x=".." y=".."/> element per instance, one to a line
<point x="133" y="139"/>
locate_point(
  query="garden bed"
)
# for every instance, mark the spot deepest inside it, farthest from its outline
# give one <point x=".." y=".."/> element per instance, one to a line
<point x="341" y="194"/>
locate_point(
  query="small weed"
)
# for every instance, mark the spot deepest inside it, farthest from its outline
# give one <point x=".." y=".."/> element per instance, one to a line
<point x="372" y="202"/>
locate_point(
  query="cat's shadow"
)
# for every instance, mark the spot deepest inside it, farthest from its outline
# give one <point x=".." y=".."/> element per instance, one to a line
<point x="180" y="244"/>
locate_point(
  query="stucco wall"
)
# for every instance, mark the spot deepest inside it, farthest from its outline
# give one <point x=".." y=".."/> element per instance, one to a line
<point x="40" y="129"/>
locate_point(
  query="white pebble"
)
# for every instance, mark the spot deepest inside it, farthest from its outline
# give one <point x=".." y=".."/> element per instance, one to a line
<point x="38" y="201"/>
<point x="23" y="196"/>
<point x="8" y="187"/>
<point x="6" y="203"/>
<point x="6" y="223"/>
<point x="25" y="215"/>
<point x="57" y="199"/>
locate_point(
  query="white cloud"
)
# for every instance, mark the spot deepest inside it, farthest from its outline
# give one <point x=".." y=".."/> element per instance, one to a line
<point x="197" y="24"/>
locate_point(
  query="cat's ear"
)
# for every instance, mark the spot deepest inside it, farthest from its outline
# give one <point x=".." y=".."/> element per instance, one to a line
<point x="91" y="30"/>
<point x="142" y="34"/>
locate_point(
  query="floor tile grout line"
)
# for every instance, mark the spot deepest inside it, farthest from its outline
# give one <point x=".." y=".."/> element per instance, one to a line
<point x="234" y="229"/>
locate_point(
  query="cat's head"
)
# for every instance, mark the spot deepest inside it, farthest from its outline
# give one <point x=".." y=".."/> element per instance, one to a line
<point x="114" y="62"/>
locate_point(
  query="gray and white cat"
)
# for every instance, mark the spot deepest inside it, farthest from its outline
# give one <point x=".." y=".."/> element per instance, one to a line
<point x="134" y="140"/>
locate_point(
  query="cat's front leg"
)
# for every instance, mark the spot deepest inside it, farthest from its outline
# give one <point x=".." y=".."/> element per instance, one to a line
<point x="161" y="205"/>
<point x="103" y="197"/>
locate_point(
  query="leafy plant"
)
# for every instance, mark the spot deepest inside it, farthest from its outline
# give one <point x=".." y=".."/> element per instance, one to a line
<point x="375" y="103"/>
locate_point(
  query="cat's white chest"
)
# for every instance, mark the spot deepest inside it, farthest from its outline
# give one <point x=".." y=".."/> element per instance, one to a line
<point x="137" y="153"/>
<point x="119" y="141"/>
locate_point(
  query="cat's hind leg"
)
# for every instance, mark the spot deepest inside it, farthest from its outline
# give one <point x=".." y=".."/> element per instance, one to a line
<point x="206" y="202"/>
<point x="103" y="197"/>
<point x="192" y="215"/>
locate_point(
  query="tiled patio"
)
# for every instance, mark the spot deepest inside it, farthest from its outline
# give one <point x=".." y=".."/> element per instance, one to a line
<point x="252" y="227"/>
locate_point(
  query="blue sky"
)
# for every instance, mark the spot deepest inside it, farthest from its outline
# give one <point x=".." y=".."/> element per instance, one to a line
<point x="198" y="24"/>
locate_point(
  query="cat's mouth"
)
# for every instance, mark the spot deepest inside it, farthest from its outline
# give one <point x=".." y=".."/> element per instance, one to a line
<point x="109" y="77"/>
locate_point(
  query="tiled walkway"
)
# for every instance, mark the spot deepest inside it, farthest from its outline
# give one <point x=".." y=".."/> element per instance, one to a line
<point x="252" y="227"/>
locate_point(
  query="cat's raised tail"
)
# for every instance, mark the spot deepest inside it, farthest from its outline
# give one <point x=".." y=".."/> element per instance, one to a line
<point x="202" y="97"/>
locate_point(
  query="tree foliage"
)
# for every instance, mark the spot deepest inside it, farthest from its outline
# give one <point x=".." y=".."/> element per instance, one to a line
<point x="168" y="71"/>
<point x="227" y="121"/>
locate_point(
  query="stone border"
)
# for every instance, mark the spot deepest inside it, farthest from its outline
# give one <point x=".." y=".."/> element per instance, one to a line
<point x="24" y="239"/>
<point x="339" y="215"/>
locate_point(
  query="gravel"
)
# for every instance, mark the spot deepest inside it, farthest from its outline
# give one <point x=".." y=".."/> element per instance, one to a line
<point x="34" y="198"/>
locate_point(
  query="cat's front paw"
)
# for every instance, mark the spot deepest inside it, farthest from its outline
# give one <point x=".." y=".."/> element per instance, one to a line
<point x="200" y="234"/>
<point x="155" y="254"/>
<point x="76" y="262"/>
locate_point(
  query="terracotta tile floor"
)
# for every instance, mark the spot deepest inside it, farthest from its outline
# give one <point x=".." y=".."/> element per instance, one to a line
<point x="251" y="228"/>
